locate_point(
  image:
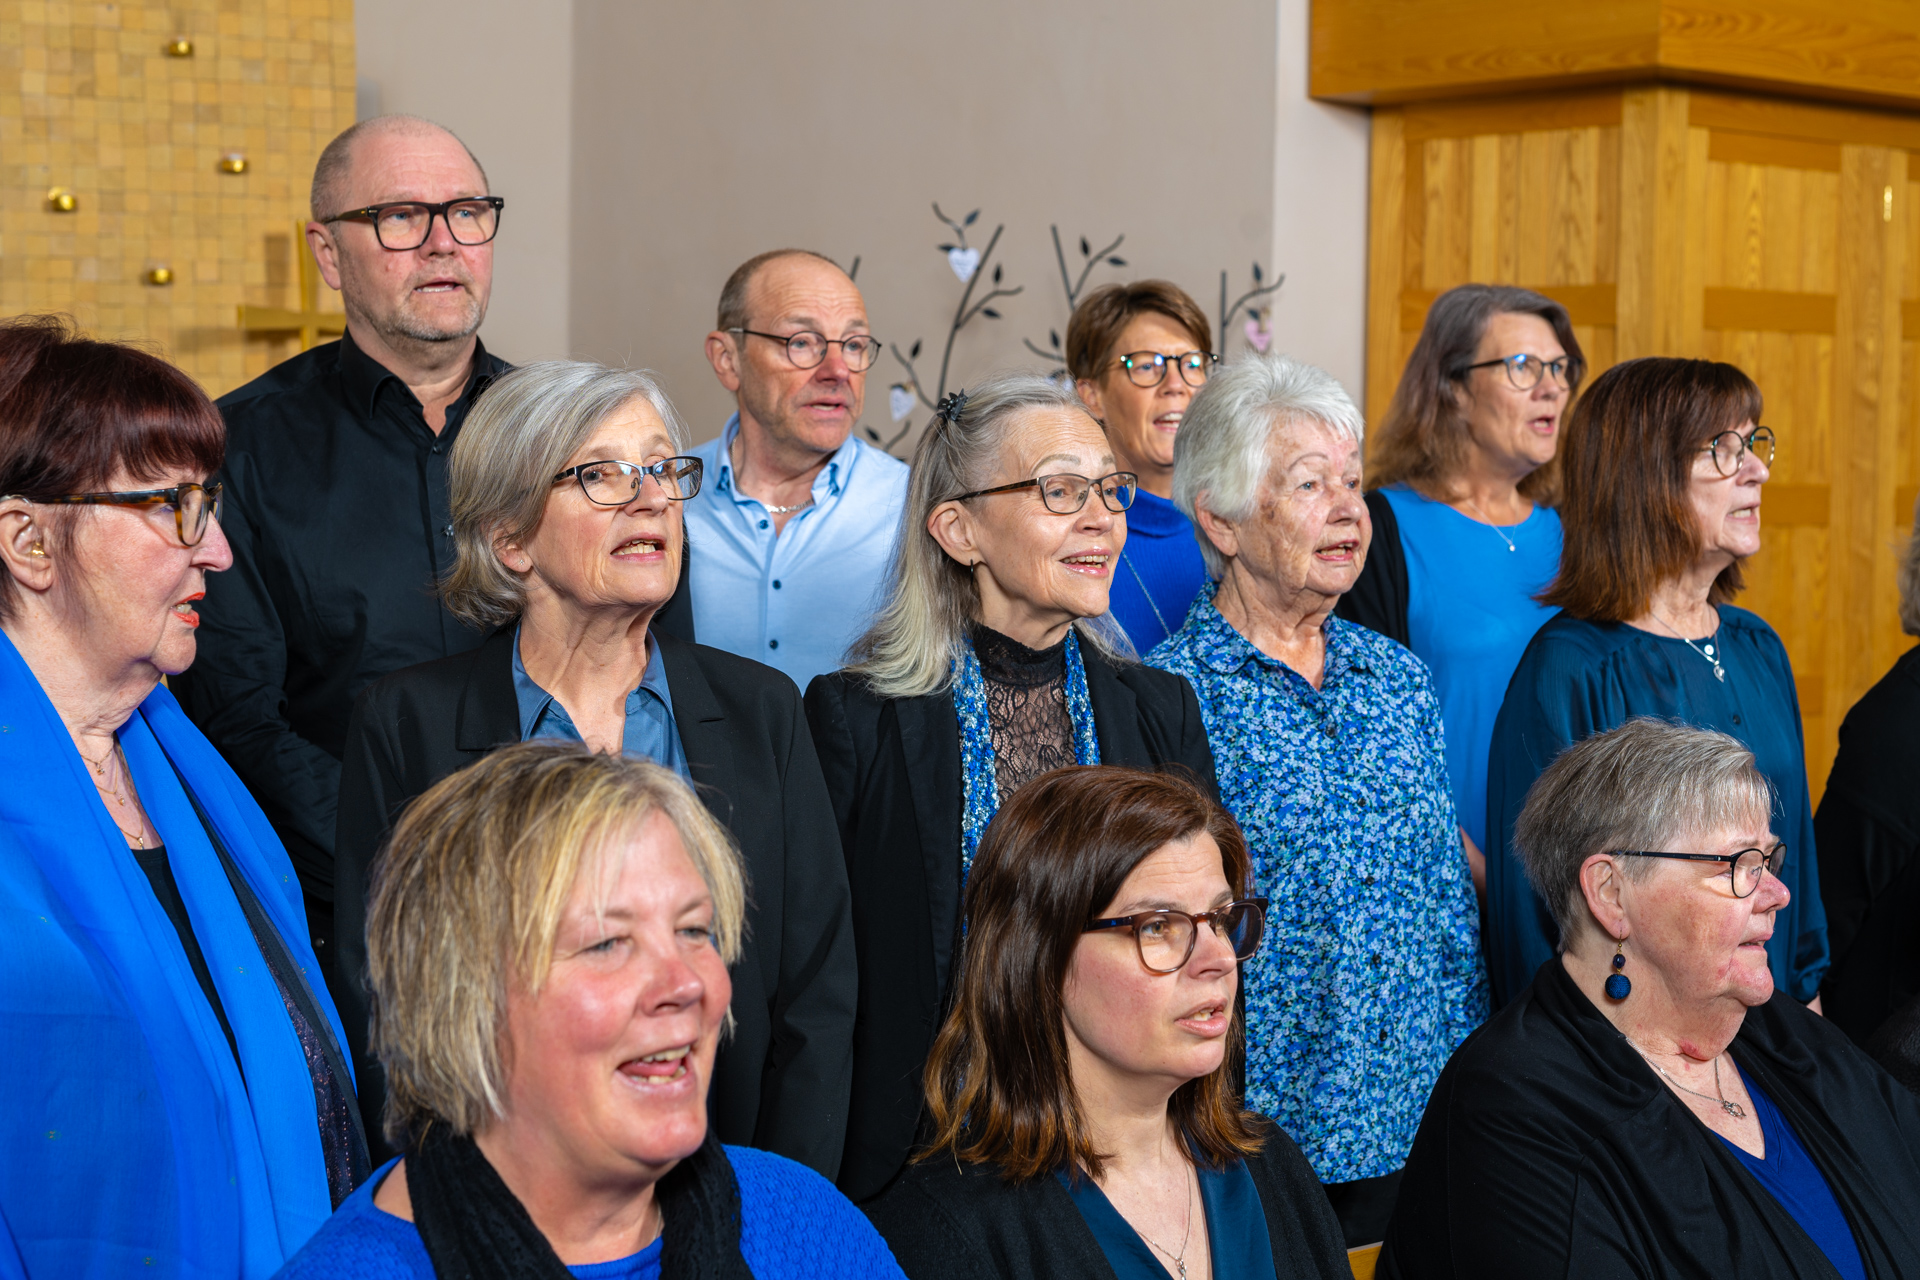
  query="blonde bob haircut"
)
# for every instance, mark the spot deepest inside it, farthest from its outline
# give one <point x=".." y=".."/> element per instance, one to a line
<point x="518" y="436"/>
<point x="467" y="899"/>
<point x="911" y="646"/>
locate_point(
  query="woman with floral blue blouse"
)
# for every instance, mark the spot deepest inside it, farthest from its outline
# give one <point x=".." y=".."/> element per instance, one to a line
<point x="1329" y="751"/>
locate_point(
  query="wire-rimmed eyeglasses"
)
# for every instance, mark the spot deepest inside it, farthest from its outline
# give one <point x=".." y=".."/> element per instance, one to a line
<point x="1746" y="868"/>
<point x="1730" y="448"/>
<point x="1524" y="371"/>
<point x="1066" y="494"/>
<point x="194" y="505"/>
<point x="807" y="349"/>
<point x="612" y="483"/>
<point x="406" y="224"/>
<point x="1166" y="938"/>
<point x="1149" y="368"/>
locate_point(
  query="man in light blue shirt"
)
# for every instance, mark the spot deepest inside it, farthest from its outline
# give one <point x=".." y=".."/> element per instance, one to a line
<point x="793" y="532"/>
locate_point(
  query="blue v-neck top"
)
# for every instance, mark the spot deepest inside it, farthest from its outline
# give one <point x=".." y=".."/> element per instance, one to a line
<point x="1236" y="1226"/>
<point x="1791" y="1177"/>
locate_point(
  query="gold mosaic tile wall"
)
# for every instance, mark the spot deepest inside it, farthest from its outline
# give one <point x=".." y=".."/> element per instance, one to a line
<point x="91" y="101"/>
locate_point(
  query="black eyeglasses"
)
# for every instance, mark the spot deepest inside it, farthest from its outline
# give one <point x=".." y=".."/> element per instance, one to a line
<point x="1744" y="868"/>
<point x="1066" y="494"/>
<point x="406" y="224"/>
<point x="1730" y="447"/>
<point x="1166" y="938"/>
<point x="1149" y="368"/>
<point x="1524" y="371"/>
<point x="614" y="484"/>
<point x="193" y="505"/>
<point x="807" y="349"/>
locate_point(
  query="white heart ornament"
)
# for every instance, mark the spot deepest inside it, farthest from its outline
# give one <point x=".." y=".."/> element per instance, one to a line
<point x="1258" y="337"/>
<point x="964" y="262"/>
<point x="899" y="401"/>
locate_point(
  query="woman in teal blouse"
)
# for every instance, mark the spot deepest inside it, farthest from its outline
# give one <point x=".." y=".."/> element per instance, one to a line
<point x="1663" y="467"/>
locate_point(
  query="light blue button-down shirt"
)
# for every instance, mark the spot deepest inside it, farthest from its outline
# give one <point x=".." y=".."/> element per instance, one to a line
<point x="797" y="600"/>
<point x="650" y="730"/>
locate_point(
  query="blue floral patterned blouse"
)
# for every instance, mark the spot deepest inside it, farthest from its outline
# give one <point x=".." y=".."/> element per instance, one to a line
<point x="1370" y="974"/>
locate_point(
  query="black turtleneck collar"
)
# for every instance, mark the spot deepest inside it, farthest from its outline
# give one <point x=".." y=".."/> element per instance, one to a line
<point x="1005" y="660"/>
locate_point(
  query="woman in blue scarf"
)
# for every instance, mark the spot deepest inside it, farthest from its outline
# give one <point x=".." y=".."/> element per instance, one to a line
<point x="177" y="1104"/>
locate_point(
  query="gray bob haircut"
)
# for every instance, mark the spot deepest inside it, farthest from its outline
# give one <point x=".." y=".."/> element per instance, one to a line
<point x="518" y="436"/>
<point x="1910" y="579"/>
<point x="1649" y="784"/>
<point x="910" y="648"/>
<point x="1221" y="455"/>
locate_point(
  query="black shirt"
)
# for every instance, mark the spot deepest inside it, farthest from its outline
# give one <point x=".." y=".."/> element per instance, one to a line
<point x="159" y="873"/>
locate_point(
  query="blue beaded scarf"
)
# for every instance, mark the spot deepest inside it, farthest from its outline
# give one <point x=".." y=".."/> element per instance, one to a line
<point x="979" y="787"/>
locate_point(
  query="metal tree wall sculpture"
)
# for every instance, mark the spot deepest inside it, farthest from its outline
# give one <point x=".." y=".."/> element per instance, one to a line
<point x="1089" y="260"/>
<point x="1259" y="337"/>
<point x="969" y="264"/>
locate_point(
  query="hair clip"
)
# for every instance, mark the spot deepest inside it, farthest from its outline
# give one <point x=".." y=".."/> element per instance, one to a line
<point x="951" y="408"/>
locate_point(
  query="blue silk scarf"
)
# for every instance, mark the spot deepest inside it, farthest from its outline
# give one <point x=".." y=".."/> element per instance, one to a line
<point x="129" y="1143"/>
<point x="979" y="788"/>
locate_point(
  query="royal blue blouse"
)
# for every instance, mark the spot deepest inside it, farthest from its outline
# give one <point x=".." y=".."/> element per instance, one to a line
<point x="1791" y="1177"/>
<point x="1159" y="573"/>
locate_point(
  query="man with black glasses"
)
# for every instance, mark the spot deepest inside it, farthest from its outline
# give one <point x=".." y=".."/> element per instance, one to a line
<point x="794" y="530"/>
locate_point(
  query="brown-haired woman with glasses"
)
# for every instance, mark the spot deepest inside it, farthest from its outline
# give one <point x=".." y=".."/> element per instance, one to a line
<point x="1662" y="471"/>
<point x="1084" y="1115"/>
<point x="177" y="1100"/>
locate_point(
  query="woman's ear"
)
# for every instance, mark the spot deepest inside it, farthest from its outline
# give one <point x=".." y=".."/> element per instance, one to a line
<point x="1088" y="389"/>
<point x="512" y="554"/>
<point x="23" y="545"/>
<point x="1223" y="534"/>
<point x="1605" y="891"/>
<point x="951" y="525"/>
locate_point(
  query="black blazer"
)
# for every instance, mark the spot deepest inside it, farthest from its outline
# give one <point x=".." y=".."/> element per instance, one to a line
<point x="782" y="1076"/>
<point x="948" y="1222"/>
<point x="893" y="769"/>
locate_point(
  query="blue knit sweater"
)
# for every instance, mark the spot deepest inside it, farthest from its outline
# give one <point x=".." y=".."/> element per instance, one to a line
<point x="792" y="1224"/>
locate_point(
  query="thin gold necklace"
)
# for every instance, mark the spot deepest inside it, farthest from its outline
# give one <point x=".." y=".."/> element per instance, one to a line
<point x="125" y="801"/>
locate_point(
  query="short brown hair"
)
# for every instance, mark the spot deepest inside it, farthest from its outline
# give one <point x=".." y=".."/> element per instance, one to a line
<point x="468" y="895"/>
<point x="998" y="1081"/>
<point x="73" y="412"/>
<point x="1627" y="466"/>
<point x="1422" y="440"/>
<point x="1104" y="314"/>
<point x="733" y="295"/>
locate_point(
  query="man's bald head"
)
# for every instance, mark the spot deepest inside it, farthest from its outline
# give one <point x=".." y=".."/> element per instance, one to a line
<point x="331" y="174"/>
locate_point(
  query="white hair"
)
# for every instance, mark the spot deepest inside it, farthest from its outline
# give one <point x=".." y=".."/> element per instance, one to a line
<point x="1222" y="453"/>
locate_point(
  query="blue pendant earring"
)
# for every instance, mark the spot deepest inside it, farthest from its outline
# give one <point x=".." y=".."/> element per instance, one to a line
<point x="1619" y="986"/>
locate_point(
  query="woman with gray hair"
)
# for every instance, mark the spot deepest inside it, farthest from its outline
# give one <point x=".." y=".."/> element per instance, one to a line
<point x="548" y="944"/>
<point x="1329" y="746"/>
<point x="566" y="482"/>
<point x="992" y="662"/>
<point x="1651" y="1105"/>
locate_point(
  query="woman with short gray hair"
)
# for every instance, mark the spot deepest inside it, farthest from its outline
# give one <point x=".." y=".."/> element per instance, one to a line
<point x="991" y="662"/>
<point x="1650" y="1105"/>
<point x="1328" y="741"/>
<point x="567" y="483"/>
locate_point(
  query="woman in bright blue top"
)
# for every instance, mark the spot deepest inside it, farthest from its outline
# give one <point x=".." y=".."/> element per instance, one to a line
<point x="547" y="944"/>
<point x="1663" y="468"/>
<point x="1464" y="534"/>
<point x="1137" y="353"/>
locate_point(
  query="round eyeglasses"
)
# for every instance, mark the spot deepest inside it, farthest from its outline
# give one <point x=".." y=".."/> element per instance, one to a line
<point x="1730" y="448"/>
<point x="1524" y="372"/>
<point x="194" y="505"/>
<point x="612" y="483"/>
<point x="1149" y="368"/>
<point x="407" y="224"/>
<point x="1166" y="938"/>
<point x="807" y="349"/>
<point x="1746" y="868"/>
<point x="1065" y="495"/>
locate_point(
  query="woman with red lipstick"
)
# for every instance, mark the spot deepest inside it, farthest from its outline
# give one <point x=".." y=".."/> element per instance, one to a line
<point x="992" y="662"/>
<point x="1084" y="1115"/>
<point x="1653" y="1105"/>
<point x="178" y="1103"/>
<point x="1662" y="472"/>
<point x="548" y="943"/>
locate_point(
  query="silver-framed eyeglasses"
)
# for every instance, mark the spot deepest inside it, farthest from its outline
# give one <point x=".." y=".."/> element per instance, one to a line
<point x="807" y="349"/>
<point x="612" y="483"/>
<point x="1746" y="868"/>
<point x="406" y="224"/>
<point x="1149" y="368"/>
<point x="1066" y="494"/>
<point x="1166" y="938"/>
<point x="1730" y="448"/>
<point x="1524" y="372"/>
<point x="194" y="505"/>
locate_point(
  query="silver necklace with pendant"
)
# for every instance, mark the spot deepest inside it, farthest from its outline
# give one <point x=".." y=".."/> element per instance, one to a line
<point x="1705" y="649"/>
<point x="1511" y="544"/>
<point x="1732" y="1108"/>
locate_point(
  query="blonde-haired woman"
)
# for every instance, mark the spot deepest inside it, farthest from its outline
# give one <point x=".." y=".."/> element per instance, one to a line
<point x="991" y="663"/>
<point x="567" y="484"/>
<point x="548" y="944"/>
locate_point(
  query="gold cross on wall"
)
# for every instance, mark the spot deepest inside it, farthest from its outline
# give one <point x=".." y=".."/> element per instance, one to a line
<point x="309" y="321"/>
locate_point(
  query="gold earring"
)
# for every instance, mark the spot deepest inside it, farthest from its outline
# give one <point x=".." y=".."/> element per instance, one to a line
<point x="36" y="550"/>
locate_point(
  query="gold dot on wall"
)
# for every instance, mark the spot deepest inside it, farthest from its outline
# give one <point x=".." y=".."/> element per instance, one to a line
<point x="233" y="162"/>
<point x="160" y="275"/>
<point x="61" y="200"/>
<point x="179" y="47"/>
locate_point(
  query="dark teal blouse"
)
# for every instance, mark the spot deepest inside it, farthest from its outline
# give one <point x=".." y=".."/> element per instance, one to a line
<point x="1236" y="1226"/>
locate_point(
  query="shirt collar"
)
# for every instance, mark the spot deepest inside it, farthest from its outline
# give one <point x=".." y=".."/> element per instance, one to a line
<point x="1220" y="648"/>
<point x="365" y="377"/>
<point x="833" y="477"/>
<point x="534" y="700"/>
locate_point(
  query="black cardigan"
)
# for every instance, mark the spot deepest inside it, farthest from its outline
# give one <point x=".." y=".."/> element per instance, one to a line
<point x="893" y="769"/>
<point x="944" y="1221"/>
<point x="781" y="1079"/>
<point x="1549" y="1148"/>
<point x="1378" y="597"/>
<point x="1868" y="835"/>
